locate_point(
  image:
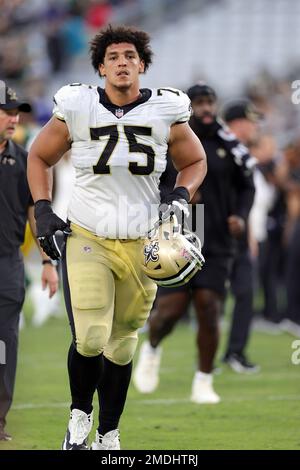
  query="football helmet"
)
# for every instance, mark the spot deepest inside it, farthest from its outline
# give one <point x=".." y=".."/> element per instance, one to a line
<point x="171" y="257"/>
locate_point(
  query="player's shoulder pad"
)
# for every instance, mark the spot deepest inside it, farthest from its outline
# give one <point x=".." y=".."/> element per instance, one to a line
<point x="175" y="101"/>
<point x="171" y="95"/>
<point x="71" y="96"/>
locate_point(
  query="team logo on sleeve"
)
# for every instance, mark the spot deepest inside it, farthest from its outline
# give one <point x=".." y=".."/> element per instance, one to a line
<point x="151" y="252"/>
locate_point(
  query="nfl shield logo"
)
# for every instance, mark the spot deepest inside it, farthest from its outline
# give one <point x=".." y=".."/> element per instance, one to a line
<point x="119" y="113"/>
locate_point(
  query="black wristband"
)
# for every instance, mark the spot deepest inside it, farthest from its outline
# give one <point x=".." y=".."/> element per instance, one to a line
<point x="42" y="206"/>
<point x="49" y="261"/>
<point x="178" y="193"/>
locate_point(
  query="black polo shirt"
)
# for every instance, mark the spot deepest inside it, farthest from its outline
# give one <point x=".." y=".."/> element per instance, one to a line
<point x="15" y="197"/>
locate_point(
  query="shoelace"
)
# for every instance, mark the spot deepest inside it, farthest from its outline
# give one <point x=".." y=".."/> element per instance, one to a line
<point x="110" y="443"/>
<point x="79" y="428"/>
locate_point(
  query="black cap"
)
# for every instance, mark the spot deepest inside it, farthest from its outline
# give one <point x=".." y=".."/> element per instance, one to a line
<point x="9" y="99"/>
<point x="241" y="109"/>
<point x="201" y="89"/>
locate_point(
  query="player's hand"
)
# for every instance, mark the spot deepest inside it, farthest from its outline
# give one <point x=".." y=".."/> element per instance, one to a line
<point x="50" y="279"/>
<point x="47" y="224"/>
<point x="175" y="203"/>
<point x="236" y="225"/>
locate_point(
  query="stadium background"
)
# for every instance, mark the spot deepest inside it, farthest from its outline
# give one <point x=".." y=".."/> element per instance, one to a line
<point x="242" y="49"/>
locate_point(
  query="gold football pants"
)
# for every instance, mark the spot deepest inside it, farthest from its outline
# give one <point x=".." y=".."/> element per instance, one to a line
<point x="108" y="297"/>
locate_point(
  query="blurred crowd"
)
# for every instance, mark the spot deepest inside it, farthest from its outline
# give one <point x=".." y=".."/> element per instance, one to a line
<point x="275" y="217"/>
<point x="42" y="39"/>
<point x="39" y="38"/>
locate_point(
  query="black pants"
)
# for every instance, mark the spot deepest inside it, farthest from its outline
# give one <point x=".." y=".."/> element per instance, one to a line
<point x="242" y="290"/>
<point x="270" y="265"/>
<point x="12" y="292"/>
<point x="293" y="276"/>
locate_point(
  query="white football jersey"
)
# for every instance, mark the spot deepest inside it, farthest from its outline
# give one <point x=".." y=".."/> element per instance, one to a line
<point x="119" y="154"/>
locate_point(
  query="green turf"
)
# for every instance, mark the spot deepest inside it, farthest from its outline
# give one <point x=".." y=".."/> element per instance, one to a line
<point x="256" y="412"/>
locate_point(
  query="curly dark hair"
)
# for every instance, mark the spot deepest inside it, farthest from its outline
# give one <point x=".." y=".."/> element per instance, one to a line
<point x="115" y="35"/>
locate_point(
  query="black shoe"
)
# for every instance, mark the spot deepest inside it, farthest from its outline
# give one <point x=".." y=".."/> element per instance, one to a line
<point x="3" y="435"/>
<point x="240" y="364"/>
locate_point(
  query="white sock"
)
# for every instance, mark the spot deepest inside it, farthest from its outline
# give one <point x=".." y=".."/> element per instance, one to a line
<point x="150" y="348"/>
<point x="203" y="376"/>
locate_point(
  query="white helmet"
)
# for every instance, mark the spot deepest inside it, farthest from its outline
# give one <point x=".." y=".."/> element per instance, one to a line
<point x="171" y="258"/>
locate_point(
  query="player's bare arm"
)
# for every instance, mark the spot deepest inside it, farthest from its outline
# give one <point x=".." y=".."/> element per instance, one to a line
<point x="50" y="145"/>
<point x="188" y="156"/>
<point x="47" y="149"/>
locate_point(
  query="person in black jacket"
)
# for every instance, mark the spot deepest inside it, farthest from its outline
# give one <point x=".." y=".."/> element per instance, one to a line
<point x="227" y="194"/>
<point x="242" y="119"/>
<point x="16" y="206"/>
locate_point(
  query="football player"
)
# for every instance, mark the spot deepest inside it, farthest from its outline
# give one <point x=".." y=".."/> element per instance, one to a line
<point x="227" y="194"/>
<point x="118" y="136"/>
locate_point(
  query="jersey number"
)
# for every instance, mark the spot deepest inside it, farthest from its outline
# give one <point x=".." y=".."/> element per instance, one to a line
<point x="102" y="167"/>
<point x="160" y="90"/>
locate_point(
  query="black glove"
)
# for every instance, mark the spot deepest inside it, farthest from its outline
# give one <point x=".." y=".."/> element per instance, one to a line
<point x="175" y="203"/>
<point x="47" y="224"/>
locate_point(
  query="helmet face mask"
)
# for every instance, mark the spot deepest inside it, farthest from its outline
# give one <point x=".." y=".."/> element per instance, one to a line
<point x="171" y="258"/>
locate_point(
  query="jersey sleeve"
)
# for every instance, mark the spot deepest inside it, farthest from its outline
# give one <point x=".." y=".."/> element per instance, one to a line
<point x="61" y="103"/>
<point x="68" y="102"/>
<point x="184" y="109"/>
<point x="176" y="105"/>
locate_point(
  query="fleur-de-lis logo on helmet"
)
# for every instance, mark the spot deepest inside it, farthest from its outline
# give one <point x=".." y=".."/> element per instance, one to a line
<point x="151" y="252"/>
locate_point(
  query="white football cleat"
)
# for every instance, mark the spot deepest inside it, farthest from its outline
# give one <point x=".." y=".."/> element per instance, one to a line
<point x="202" y="389"/>
<point x="110" y="441"/>
<point x="146" y="373"/>
<point x="290" y="327"/>
<point x="77" y="434"/>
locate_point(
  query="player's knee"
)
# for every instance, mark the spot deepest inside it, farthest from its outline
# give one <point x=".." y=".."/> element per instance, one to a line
<point x="93" y="342"/>
<point x="121" y="352"/>
<point x="163" y="321"/>
<point x="171" y="308"/>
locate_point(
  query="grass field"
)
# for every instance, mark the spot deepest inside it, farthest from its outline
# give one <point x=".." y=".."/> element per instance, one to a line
<point x="256" y="412"/>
